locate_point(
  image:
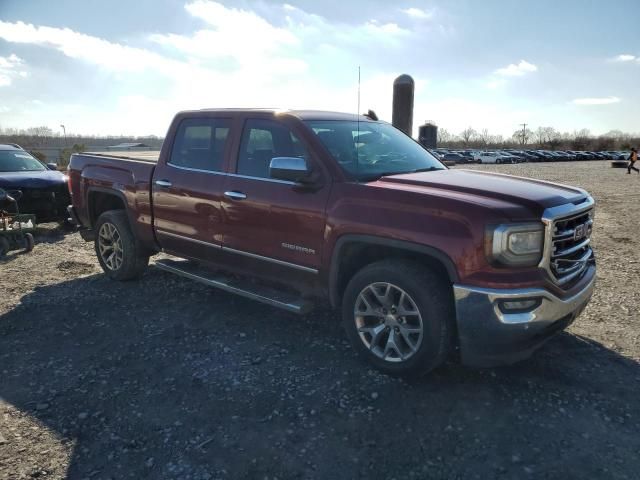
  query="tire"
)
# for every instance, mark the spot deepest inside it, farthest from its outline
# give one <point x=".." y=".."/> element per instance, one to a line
<point x="122" y="258"/>
<point x="427" y="299"/>
<point x="29" y="243"/>
<point x="4" y="247"/>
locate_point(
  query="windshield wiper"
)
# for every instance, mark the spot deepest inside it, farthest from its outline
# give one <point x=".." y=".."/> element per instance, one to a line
<point x="427" y="169"/>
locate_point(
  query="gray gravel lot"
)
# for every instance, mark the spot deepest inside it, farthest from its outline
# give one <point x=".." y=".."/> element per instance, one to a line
<point x="164" y="378"/>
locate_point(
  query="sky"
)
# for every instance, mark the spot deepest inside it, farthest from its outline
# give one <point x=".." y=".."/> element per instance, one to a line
<point x="127" y="66"/>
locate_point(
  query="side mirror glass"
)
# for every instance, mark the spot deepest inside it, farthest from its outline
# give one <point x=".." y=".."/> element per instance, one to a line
<point x="291" y="169"/>
<point x="52" y="166"/>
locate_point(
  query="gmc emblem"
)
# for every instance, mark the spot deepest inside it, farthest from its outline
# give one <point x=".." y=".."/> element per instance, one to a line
<point x="581" y="231"/>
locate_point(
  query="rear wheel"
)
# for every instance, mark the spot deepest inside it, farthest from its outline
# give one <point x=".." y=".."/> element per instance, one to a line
<point x="4" y="247"/>
<point x="118" y="252"/>
<point x="29" y="243"/>
<point x="399" y="317"/>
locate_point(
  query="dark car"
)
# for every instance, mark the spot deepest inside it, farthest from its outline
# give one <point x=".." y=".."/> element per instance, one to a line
<point x="44" y="191"/>
<point x="452" y="157"/>
<point x="464" y="157"/>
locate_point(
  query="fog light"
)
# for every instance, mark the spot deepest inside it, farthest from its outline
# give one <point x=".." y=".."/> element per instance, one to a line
<point x="513" y="306"/>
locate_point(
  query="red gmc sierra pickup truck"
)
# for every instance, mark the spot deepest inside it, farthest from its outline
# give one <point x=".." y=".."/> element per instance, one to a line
<point x="293" y="208"/>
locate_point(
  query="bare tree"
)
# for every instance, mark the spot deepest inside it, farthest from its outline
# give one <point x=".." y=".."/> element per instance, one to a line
<point x="444" y="136"/>
<point x="554" y="138"/>
<point x="467" y="135"/>
<point x="522" y="137"/>
<point x="484" y="136"/>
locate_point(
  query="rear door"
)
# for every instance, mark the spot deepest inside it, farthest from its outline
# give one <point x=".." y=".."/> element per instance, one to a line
<point x="187" y="189"/>
<point x="269" y="220"/>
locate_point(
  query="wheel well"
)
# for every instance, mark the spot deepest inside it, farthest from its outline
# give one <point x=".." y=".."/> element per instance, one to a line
<point x="355" y="256"/>
<point x="100" y="202"/>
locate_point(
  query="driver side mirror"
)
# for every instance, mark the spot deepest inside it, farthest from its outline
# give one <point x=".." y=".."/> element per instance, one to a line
<point x="291" y="169"/>
<point x="52" y="166"/>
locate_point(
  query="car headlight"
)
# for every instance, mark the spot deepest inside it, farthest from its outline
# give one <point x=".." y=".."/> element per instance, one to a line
<point x="515" y="244"/>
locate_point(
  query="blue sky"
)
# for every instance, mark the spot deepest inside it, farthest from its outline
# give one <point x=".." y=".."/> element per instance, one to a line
<point x="125" y="67"/>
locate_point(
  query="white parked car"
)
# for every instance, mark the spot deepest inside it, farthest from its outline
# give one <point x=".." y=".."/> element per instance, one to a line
<point x="493" y="157"/>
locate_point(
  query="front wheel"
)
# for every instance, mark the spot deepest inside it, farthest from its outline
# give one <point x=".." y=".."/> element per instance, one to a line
<point x="118" y="252"/>
<point x="399" y="317"/>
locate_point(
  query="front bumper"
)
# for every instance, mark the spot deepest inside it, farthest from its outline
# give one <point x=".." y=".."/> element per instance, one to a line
<point x="491" y="335"/>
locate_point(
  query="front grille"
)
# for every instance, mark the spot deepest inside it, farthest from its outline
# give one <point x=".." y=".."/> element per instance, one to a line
<point x="571" y="250"/>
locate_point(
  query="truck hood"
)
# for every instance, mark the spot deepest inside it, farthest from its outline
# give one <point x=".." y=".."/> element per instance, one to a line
<point x="526" y="192"/>
<point x="38" y="179"/>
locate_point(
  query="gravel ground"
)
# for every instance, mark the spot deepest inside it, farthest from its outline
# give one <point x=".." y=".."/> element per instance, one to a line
<point x="164" y="378"/>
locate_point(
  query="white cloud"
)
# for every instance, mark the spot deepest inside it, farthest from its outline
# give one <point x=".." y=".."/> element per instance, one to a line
<point x="596" y="101"/>
<point x="418" y="13"/>
<point x="11" y="61"/>
<point x="625" y="58"/>
<point x="517" y="69"/>
<point x="235" y="59"/>
<point x="111" y="56"/>
<point x="7" y="69"/>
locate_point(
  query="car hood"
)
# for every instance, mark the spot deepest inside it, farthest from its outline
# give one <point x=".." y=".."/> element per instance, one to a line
<point x="525" y="192"/>
<point x="39" y="179"/>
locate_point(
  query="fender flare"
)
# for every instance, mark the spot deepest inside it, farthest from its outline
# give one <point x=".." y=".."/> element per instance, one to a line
<point x="109" y="191"/>
<point x="432" y="252"/>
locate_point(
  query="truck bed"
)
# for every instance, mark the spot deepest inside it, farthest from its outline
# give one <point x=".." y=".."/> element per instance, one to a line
<point x="145" y="155"/>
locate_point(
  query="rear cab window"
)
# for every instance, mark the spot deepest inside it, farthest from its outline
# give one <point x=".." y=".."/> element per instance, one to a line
<point x="200" y="144"/>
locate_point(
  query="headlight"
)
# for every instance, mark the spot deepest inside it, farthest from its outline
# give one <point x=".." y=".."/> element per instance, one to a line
<point x="516" y="244"/>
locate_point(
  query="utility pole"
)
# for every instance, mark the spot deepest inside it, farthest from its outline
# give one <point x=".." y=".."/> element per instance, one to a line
<point x="524" y="133"/>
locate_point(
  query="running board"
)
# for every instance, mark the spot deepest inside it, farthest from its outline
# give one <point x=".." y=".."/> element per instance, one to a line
<point x="229" y="284"/>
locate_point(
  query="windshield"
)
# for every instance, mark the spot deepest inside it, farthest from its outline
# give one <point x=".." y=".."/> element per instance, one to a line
<point x="18" y="161"/>
<point x="370" y="150"/>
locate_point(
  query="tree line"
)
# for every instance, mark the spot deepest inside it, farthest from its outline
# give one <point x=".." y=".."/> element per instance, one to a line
<point x="547" y="138"/>
<point x="45" y="137"/>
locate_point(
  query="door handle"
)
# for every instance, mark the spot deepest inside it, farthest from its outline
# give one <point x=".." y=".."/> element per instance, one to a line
<point x="163" y="183"/>
<point x="235" y="195"/>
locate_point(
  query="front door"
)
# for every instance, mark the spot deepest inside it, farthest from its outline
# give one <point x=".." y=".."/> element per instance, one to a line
<point x="187" y="190"/>
<point x="269" y="220"/>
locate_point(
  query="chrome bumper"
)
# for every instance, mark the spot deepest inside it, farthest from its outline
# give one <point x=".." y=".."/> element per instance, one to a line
<point x="491" y="334"/>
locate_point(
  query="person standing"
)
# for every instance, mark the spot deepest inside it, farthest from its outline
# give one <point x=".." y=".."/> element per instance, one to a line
<point x="633" y="158"/>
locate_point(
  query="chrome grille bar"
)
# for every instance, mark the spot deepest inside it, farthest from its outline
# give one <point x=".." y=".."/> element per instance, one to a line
<point x="567" y="251"/>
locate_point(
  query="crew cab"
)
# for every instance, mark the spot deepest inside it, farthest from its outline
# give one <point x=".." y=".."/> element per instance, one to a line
<point x="303" y="208"/>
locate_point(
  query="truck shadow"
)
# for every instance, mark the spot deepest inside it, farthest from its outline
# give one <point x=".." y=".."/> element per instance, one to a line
<point x="163" y="378"/>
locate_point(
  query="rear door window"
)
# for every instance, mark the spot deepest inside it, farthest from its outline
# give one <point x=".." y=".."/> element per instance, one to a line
<point x="263" y="140"/>
<point x="200" y="144"/>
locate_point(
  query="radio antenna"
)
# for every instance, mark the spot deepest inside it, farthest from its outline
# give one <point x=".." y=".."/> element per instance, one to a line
<point x="358" y="122"/>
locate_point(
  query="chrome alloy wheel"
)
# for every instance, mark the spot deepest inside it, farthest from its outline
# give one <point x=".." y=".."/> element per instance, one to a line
<point x="110" y="246"/>
<point x="388" y="322"/>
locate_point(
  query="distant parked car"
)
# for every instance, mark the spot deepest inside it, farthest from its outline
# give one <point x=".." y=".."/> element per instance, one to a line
<point x="467" y="156"/>
<point x="493" y="157"/>
<point x="44" y="189"/>
<point x="546" y="156"/>
<point x="453" y="157"/>
<point x="617" y="155"/>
